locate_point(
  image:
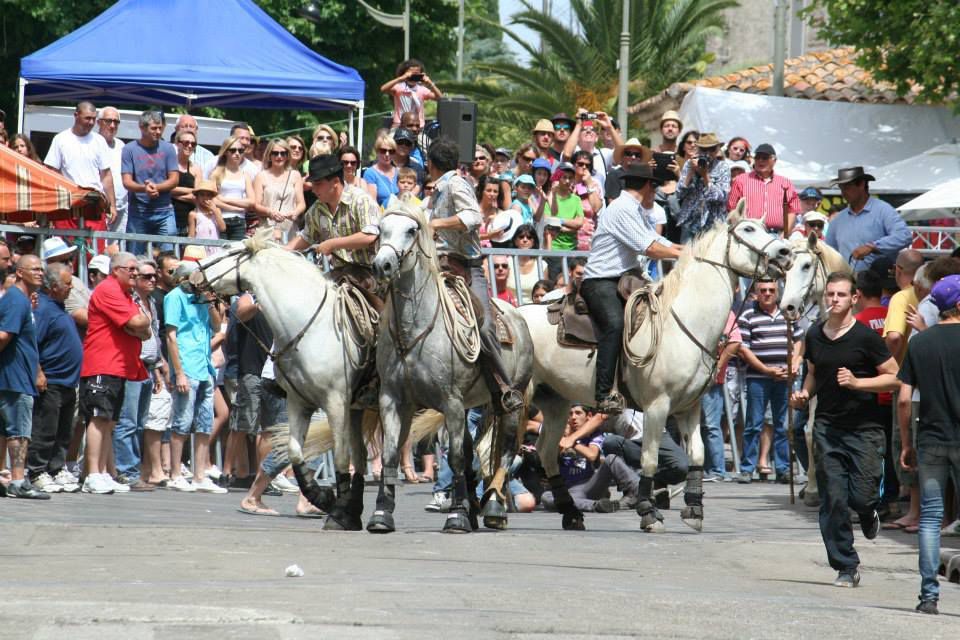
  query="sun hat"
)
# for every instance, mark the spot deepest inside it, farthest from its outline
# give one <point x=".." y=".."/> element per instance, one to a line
<point x="850" y="174"/>
<point x="562" y="117"/>
<point x="708" y="140"/>
<point x="100" y="263"/>
<point x="56" y="247"/>
<point x="506" y="223"/>
<point x="740" y="164"/>
<point x="632" y="143"/>
<point x="323" y="167"/>
<point x="206" y="186"/>
<point x="946" y="292"/>
<point x="671" y="115"/>
<point x="543" y="126"/>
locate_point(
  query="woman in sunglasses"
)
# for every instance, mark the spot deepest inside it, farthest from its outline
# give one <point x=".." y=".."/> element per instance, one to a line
<point x="234" y="188"/>
<point x="350" y="159"/>
<point x="588" y="188"/>
<point x="190" y="175"/>
<point x="278" y="190"/>
<point x="325" y="141"/>
<point x="382" y="175"/>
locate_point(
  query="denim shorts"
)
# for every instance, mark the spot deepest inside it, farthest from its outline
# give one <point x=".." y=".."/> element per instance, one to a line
<point x="255" y="407"/>
<point x="16" y="411"/>
<point x="193" y="411"/>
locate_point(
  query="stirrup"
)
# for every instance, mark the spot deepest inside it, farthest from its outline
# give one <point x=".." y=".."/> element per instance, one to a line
<point x="613" y="404"/>
<point x="511" y="400"/>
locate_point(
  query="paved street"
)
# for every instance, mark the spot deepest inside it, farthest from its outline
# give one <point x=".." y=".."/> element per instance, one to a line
<point x="168" y="565"/>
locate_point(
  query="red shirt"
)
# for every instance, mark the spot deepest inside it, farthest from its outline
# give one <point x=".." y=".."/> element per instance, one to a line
<point x="765" y="198"/>
<point x="109" y="350"/>
<point x="507" y="296"/>
<point x="874" y="318"/>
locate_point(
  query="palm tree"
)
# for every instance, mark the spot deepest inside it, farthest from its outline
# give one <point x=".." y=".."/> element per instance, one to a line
<point x="578" y="68"/>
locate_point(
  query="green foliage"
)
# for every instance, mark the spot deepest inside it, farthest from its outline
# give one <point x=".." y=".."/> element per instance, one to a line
<point x="905" y="42"/>
<point x="578" y="68"/>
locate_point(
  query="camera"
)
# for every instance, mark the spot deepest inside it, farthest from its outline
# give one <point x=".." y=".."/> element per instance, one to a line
<point x="702" y="161"/>
<point x="417" y="77"/>
<point x="588" y="116"/>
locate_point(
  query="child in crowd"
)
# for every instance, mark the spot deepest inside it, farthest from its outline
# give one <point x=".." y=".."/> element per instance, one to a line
<point x="410" y="90"/>
<point x="206" y="221"/>
<point x="407" y="185"/>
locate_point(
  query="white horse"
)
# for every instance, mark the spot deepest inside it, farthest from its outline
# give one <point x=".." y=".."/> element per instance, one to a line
<point x="679" y="347"/>
<point x="319" y="361"/>
<point x="426" y="358"/>
<point x="804" y="286"/>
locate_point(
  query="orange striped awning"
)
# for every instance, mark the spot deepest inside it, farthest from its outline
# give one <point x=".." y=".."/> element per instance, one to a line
<point x="28" y="189"/>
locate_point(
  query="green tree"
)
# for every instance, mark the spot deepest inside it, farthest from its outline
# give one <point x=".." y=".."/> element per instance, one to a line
<point x="906" y="42"/>
<point x="578" y="67"/>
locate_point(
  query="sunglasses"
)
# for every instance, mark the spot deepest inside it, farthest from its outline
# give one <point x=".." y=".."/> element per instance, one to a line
<point x="147" y="276"/>
<point x="238" y="151"/>
<point x="349" y="163"/>
<point x="815" y="225"/>
<point x="480" y="159"/>
<point x="528" y="158"/>
<point x="186" y="143"/>
<point x="324" y="138"/>
<point x="767" y="292"/>
<point x="110" y="120"/>
<point x="633" y="154"/>
<point x="385" y="152"/>
<point x="585" y="165"/>
<point x="501" y="266"/>
<point x="279" y="153"/>
<point x="524" y="237"/>
<point x="296" y="147"/>
<point x="562" y="127"/>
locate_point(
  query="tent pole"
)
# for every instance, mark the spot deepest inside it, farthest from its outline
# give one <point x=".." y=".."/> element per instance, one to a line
<point x="359" y="144"/>
<point x="21" y="92"/>
<point x="353" y="141"/>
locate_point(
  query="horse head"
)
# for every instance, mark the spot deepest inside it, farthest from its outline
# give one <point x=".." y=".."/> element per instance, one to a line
<point x="806" y="279"/>
<point x="751" y="249"/>
<point x="405" y="235"/>
<point x="220" y="273"/>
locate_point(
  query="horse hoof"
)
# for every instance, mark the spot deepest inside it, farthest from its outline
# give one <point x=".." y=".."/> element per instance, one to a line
<point x="694" y="523"/>
<point x="381" y="522"/>
<point x="494" y="515"/>
<point x="811" y="498"/>
<point x="651" y="521"/>
<point x="342" y="523"/>
<point x="493" y="522"/>
<point x="573" y="522"/>
<point x="656" y="527"/>
<point x="457" y="522"/>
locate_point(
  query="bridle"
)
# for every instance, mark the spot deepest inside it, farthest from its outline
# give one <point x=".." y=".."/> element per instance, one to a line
<point x="821" y="268"/>
<point x="763" y="264"/>
<point x="229" y="253"/>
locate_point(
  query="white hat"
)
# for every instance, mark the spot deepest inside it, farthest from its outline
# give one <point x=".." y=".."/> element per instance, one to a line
<point x="740" y="164"/>
<point x="100" y="263"/>
<point x="56" y="247"/>
<point x="815" y="216"/>
<point x="506" y="222"/>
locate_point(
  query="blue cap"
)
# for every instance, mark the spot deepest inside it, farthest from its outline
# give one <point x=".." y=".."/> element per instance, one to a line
<point x="811" y="193"/>
<point x="946" y="292"/>
<point x="540" y="163"/>
<point x="524" y="178"/>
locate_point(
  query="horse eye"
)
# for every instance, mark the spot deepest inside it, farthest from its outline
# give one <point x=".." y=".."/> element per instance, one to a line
<point x="411" y="232"/>
<point x="806" y="267"/>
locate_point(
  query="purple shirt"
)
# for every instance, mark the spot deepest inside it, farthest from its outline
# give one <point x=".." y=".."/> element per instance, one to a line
<point x="576" y="469"/>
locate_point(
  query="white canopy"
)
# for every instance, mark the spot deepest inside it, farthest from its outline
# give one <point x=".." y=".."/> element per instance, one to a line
<point x="942" y="201"/>
<point x="919" y="173"/>
<point x="815" y="138"/>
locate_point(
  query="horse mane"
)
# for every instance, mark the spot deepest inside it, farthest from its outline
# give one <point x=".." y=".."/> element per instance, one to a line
<point x="425" y="241"/>
<point x="673" y="282"/>
<point x="832" y="259"/>
<point x="292" y="265"/>
<point x="262" y="239"/>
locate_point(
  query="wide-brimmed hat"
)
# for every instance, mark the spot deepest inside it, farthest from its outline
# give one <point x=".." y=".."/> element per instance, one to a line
<point x="641" y="170"/>
<point x="562" y="117"/>
<point x="743" y="165"/>
<point x="671" y="115"/>
<point x="193" y="253"/>
<point x="850" y="174"/>
<point x="206" y="186"/>
<point x="543" y="126"/>
<point x="323" y="167"/>
<point x="55" y="247"/>
<point x="632" y="143"/>
<point x="708" y="141"/>
<point x="506" y="223"/>
<point x="100" y="263"/>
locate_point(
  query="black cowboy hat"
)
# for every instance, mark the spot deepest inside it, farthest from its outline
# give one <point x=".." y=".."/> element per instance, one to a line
<point x="641" y="170"/>
<point x="562" y="117"/>
<point x="850" y="174"/>
<point x="323" y="167"/>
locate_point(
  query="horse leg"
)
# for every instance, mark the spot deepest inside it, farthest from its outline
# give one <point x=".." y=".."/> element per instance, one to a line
<point x="457" y="521"/>
<point x="494" y="503"/>
<point x="554" y="410"/>
<point x="692" y="513"/>
<point x="395" y="415"/>
<point x="654" y="419"/>
<point x="345" y="515"/>
<point x="299" y="415"/>
<point x="470" y="477"/>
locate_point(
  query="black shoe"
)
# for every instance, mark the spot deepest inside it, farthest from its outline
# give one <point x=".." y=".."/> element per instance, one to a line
<point x="272" y="491"/>
<point x="26" y="491"/>
<point x="928" y="606"/>
<point x="612" y="404"/>
<point x="606" y="506"/>
<point x="242" y="483"/>
<point x="870" y="525"/>
<point x="848" y="579"/>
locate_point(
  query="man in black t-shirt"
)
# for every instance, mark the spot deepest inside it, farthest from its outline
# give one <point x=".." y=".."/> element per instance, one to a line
<point x="932" y="366"/>
<point x="846" y="364"/>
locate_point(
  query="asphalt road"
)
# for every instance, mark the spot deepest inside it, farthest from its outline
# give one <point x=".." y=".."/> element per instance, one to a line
<point x="184" y="566"/>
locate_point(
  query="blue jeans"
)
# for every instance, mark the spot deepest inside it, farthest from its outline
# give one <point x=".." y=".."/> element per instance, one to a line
<point x="760" y="391"/>
<point x="935" y="465"/>
<point x="159" y="223"/>
<point x="712" y="405"/>
<point x="129" y="429"/>
<point x="444" y="472"/>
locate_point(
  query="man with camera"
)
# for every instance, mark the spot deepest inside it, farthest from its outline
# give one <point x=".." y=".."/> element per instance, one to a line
<point x="702" y="189"/>
<point x="587" y="130"/>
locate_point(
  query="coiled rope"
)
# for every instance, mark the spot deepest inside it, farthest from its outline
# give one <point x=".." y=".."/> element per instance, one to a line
<point x="355" y="320"/>
<point x="462" y="329"/>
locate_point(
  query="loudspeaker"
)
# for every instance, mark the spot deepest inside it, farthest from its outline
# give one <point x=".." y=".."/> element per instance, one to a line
<point x="458" y="121"/>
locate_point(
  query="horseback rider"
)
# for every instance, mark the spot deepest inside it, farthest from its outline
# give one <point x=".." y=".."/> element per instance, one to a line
<point x="623" y="235"/>
<point x="343" y="224"/>
<point x="455" y="219"/>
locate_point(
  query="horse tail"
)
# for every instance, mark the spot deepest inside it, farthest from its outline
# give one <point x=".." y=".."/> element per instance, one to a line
<point x="317" y="441"/>
<point x="425" y="424"/>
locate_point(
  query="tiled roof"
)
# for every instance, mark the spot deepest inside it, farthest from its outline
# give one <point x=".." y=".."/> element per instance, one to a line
<point x="825" y="75"/>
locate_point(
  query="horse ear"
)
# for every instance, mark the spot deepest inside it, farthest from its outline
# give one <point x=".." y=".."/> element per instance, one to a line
<point x="738" y="213"/>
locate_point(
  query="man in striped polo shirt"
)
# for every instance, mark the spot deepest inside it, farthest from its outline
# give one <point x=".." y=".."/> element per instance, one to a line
<point x="764" y="350"/>
<point x="770" y="197"/>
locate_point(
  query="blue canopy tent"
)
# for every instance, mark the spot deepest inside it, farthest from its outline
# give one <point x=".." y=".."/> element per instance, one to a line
<point x="191" y="53"/>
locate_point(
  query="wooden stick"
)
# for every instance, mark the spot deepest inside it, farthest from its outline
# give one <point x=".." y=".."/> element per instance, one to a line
<point x="790" y="410"/>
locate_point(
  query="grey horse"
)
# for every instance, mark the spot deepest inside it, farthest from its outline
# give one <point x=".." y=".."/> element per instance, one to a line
<point x="426" y="358"/>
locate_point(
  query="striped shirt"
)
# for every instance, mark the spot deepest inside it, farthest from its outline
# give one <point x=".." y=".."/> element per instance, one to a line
<point x="765" y="198"/>
<point x="356" y="213"/>
<point x="623" y="235"/>
<point x="453" y="196"/>
<point x="766" y="336"/>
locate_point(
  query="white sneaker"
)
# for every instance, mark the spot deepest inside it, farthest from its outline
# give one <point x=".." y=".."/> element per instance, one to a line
<point x="95" y="483"/>
<point x="213" y="472"/>
<point x="441" y="502"/>
<point x="64" y="477"/>
<point x="73" y="468"/>
<point x="282" y="483"/>
<point x="207" y="486"/>
<point x="46" y="484"/>
<point x="951" y="530"/>
<point x="181" y="484"/>
<point x="118" y="487"/>
<point x="185" y="472"/>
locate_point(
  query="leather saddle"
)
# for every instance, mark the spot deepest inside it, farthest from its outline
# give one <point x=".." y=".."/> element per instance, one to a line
<point x="504" y="334"/>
